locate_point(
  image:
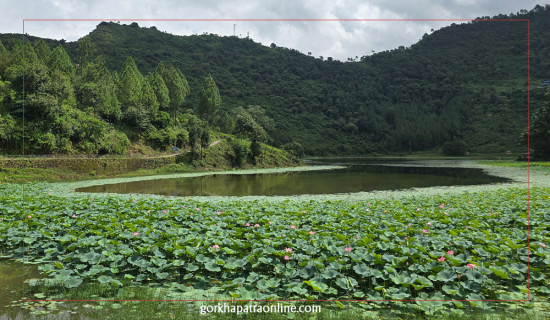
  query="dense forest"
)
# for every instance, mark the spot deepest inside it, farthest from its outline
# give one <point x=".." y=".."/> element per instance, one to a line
<point x="464" y="85"/>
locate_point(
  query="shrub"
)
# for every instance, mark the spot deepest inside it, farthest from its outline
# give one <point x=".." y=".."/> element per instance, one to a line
<point x="240" y="148"/>
<point x="454" y="148"/>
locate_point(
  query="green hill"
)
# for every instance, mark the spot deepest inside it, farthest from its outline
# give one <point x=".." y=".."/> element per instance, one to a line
<point x="465" y="82"/>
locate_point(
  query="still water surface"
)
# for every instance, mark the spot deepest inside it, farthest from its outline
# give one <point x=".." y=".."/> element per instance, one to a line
<point x="358" y="175"/>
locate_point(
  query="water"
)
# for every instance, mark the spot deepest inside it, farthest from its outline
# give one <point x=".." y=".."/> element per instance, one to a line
<point x="359" y="175"/>
<point x="11" y="285"/>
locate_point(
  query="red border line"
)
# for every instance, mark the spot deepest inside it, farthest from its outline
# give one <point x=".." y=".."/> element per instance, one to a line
<point x="273" y="20"/>
<point x="528" y="160"/>
<point x="295" y="20"/>
<point x="23" y="153"/>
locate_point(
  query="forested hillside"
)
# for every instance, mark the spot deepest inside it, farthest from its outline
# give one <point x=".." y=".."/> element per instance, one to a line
<point x="466" y="82"/>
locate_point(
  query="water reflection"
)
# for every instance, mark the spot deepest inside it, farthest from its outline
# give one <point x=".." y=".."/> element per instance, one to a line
<point x="360" y="175"/>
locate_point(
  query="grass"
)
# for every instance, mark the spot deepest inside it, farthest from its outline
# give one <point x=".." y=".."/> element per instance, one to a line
<point x="518" y="164"/>
<point x="215" y="158"/>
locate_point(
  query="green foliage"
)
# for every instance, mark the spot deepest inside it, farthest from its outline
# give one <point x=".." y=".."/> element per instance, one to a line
<point x="209" y="99"/>
<point x="177" y="86"/>
<point x="86" y="50"/>
<point x="160" y="89"/>
<point x="454" y="148"/>
<point x="60" y="60"/>
<point x="240" y="149"/>
<point x="539" y="135"/>
<point x="129" y="86"/>
<point x="294" y="148"/>
<point x="42" y="50"/>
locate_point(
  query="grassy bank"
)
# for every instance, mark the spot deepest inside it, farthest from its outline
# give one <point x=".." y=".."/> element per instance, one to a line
<point x="215" y="158"/>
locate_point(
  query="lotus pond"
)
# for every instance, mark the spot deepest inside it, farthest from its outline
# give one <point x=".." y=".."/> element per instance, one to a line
<point x="430" y="249"/>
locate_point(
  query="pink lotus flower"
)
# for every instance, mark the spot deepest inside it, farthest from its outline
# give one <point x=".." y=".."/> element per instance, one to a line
<point x="288" y="250"/>
<point x="385" y="211"/>
<point x="347" y="249"/>
<point x="292" y="227"/>
<point x="406" y="238"/>
<point x="424" y="231"/>
<point x="270" y="222"/>
<point x="470" y="202"/>
<point x="198" y="209"/>
<point x="368" y="203"/>
<point x="442" y="205"/>
<point x="275" y="268"/>
<point x="135" y="234"/>
<point x="450" y="252"/>
<point x="490" y="213"/>
<point x="312" y="232"/>
<point x="92" y="198"/>
<point x="441" y="259"/>
<point x="247" y="224"/>
<point x="408" y="226"/>
<point x="28" y="217"/>
<point x="134" y="200"/>
<point x="282" y="235"/>
<point x="184" y="207"/>
<point x="74" y="215"/>
<point x="186" y="199"/>
<point x="356" y="237"/>
<point x="458" y="275"/>
<point x="215" y="247"/>
<point x="304" y="211"/>
<point x="287" y="258"/>
<point x="164" y="211"/>
<point x="446" y="213"/>
<point x="417" y="210"/>
<point x="471" y="265"/>
<point x="367" y="210"/>
<point x="542" y="245"/>
<point x="256" y="225"/>
<point x="429" y="224"/>
<point x="219" y="212"/>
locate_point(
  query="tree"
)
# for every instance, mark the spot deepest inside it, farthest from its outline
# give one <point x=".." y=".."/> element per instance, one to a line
<point x="454" y="148"/>
<point x="160" y="89"/>
<point x="60" y="60"/>
<point x="195" y="129"/>
<point x="177" y="85"/>
<point x="209" y="99"/>
<point x="539" y="135"/>
<point x="129" y="85"/>
<point x="148" y="100"/>
<point x="85" y="51"/>
<point x="42" y="50"/>
<point x="96" y="90"/>
<point x="204" y="138"/>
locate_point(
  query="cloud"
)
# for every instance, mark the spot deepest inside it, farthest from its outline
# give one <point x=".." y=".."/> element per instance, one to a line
<point x="335" y="39"/>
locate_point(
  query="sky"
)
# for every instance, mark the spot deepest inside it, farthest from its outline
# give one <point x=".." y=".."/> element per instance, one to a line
<point x="337" y="39"/>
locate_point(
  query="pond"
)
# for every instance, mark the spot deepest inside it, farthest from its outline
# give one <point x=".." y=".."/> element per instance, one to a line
<point x="11" y="280"/>
<point x="358" y="175"/>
